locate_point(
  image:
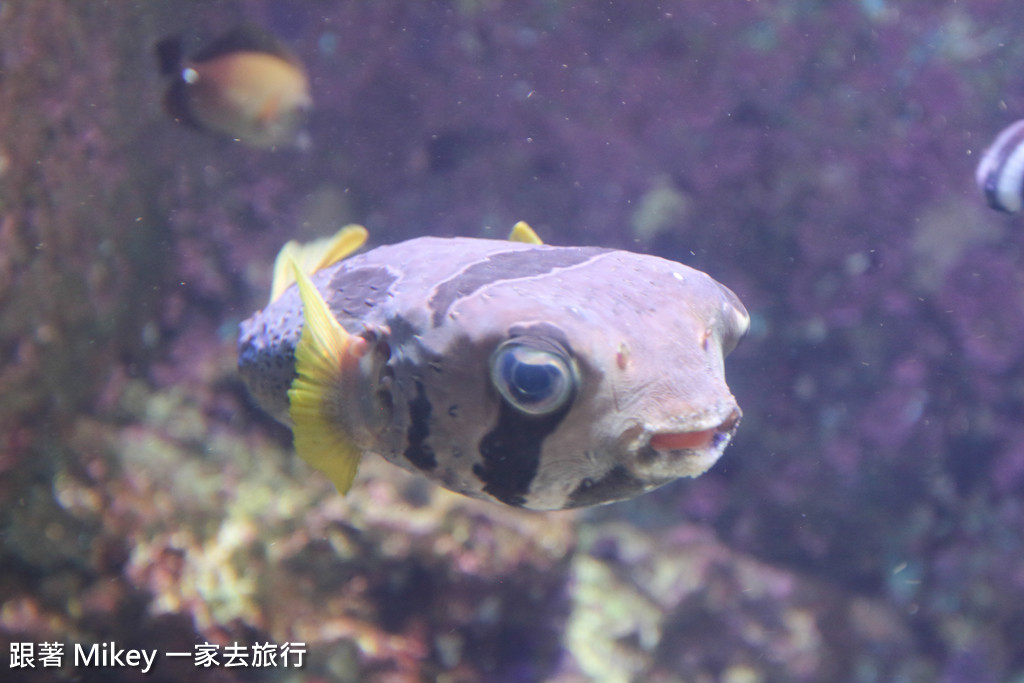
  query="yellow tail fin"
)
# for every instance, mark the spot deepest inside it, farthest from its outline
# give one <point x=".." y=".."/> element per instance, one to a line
<point x="325" y="351"/>
<point x="313" y="256"/>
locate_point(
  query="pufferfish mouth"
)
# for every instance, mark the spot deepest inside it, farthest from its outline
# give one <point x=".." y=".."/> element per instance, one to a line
<point x="670" y="455"/>
<point x="700" y="439"/>
<point x="697" y="440"/>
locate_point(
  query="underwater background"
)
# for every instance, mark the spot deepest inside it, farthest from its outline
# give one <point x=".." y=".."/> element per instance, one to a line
<point x="817" y="157"/>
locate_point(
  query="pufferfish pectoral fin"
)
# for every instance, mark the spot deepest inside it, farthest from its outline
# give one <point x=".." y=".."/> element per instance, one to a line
<point x="324" y="353"/>
<point x="522" y="232"/>
<point x="313" y="256"/>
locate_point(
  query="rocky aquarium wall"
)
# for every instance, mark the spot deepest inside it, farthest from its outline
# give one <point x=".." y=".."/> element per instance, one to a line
<point x="867" y="524"/>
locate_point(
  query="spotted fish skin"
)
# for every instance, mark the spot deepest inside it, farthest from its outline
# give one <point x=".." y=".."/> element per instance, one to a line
<point x="644" y="339"/>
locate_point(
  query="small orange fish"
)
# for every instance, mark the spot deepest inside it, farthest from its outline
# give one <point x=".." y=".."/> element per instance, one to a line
<point x="246" y="85"/>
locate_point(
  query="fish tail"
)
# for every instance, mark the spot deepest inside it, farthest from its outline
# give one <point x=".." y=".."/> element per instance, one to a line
<point x="313" y="256"/>
<point x="176" y="104"/>
<point x="324" y="352"/>
<point x="170" y="56"/>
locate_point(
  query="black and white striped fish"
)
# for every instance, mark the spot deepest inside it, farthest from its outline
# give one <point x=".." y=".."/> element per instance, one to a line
<point x="536" y="376"/>
<point x="1000" y="173"/>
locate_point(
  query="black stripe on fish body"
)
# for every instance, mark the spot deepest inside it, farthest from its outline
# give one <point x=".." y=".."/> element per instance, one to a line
<point x="505" y="265"/>
<point x="511" y="453"/>
<point x="354" y="292"/>
<point x="617" y="484"/>
<point x="418" y="451"/>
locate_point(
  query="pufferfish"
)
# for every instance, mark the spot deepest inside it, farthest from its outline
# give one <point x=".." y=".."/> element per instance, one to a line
<point x="536" y="376"/>
<point x="246" y="85"/>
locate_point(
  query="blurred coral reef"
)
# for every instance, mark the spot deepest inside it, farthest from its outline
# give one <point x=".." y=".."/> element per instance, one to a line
<point x="817" y="157"/>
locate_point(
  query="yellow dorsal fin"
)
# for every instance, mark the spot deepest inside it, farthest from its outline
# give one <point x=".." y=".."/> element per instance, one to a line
<point x="324" y="352"/>
<point x="313" y="256"/>
<point x="522" y="232"/>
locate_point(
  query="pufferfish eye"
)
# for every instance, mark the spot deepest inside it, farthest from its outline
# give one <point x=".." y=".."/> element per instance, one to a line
<point x="535" y="376"/>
